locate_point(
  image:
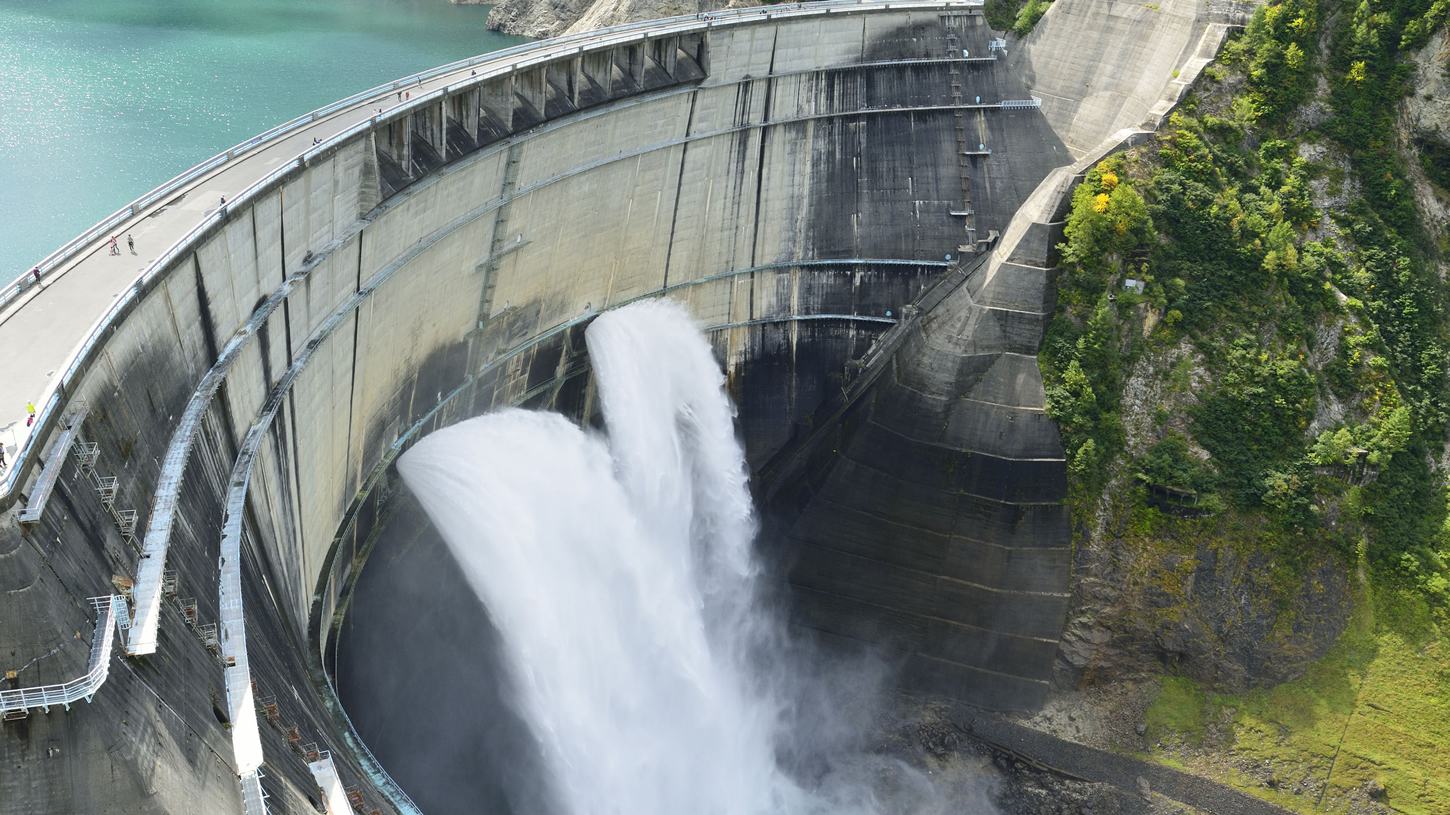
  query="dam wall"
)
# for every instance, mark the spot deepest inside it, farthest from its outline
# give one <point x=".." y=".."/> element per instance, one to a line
<point x="925" y="511"/>
<point x="795" y="177"/>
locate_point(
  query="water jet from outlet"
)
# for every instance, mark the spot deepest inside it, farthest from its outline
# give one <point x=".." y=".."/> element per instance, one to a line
<point x="620" y="572"/>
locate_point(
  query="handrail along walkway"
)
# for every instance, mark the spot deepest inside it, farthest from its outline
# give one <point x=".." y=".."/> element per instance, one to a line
<point x="54" y="464"/>
<point x="108" y="609"/>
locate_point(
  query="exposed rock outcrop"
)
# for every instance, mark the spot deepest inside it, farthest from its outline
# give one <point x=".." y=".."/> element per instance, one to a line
<point x="1424" y="127"/>
<point x="1203" y="598"/>
<point x="1201" y="607"/>
<point x="551" y="18"/>
<point x="1427" y="108"/>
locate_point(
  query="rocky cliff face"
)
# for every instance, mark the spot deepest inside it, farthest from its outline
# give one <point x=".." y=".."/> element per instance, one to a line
<point x="1425" y="132"/>
<point x="1198" y="598"/>
<point x="551" y="18"/>
<point x="1197" y="607"/>
<point x="1427" y="108"/>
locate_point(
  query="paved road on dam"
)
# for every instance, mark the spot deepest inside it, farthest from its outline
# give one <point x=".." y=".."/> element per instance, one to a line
<point x="43" y="326"/>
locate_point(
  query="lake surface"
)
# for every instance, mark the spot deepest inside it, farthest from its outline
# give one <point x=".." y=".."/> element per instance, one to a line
<point x="102" y="100"/>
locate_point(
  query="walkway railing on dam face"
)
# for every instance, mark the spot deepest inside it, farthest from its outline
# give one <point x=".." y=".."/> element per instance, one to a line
<point x="254" y="797"/>
<point x="108" y="609"/>
<point x="1020" y="104"/>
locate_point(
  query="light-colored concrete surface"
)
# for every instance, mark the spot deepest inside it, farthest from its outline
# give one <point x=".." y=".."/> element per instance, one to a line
<point x="41" y="328"/>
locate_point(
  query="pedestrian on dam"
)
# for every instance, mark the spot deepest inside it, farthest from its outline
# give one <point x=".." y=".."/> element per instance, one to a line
<point x="30" y="409"/>
<point x="115" y="249"/>
<point x="3" y="465"/>
<point x="131" y="244"/>
<point x="224" y="201"/>
<point x="36" y="273"/>
<point x="400" y="96"/>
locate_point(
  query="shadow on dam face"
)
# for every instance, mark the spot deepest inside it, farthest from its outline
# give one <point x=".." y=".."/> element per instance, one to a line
<point x="421" y="671"/>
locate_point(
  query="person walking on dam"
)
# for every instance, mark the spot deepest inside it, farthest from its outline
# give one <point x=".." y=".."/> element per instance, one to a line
<point x="30" y="410"/>
<point x="131" y="244"/>
<point x="115" y="248"/>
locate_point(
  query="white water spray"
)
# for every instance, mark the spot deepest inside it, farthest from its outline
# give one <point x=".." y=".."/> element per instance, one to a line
<point x="621" y="576"/>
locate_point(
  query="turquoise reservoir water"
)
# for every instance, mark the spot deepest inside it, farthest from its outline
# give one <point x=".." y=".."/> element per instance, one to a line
<point x="101" y="100"/>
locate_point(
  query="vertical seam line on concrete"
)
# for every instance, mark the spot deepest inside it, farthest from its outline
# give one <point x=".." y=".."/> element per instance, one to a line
<point x="760" y="154"/>
<point x="282" y="264"/>
<point x="679" y="186"/>
<point x="171" y="312"/>
<point x="301" y="523"/>
<point x="295" y="490"/>
<point x="352" y="379"/>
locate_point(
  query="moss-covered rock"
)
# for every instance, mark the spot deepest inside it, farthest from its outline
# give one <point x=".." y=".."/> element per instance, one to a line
<point x="1198" y="598"/>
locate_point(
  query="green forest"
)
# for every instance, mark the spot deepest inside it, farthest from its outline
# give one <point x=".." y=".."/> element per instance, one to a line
<point x="1213" y="216"/>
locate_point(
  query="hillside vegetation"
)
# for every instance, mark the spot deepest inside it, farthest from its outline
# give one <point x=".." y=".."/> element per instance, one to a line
<point x="1264" y="411"/>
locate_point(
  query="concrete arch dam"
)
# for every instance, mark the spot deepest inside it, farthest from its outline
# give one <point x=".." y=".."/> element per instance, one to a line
<point x="857" y="201"/>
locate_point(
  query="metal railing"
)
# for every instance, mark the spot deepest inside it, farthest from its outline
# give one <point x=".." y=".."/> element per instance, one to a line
<point x="40" y="492"/>
<point x="254" y="798"/>
<point x="324" y="772"/>
<point x="1021" y="104"/>
<point x="112" y="607"/>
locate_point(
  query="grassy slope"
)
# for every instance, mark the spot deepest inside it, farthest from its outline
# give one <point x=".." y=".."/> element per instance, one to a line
<point x="1374" y="709"/>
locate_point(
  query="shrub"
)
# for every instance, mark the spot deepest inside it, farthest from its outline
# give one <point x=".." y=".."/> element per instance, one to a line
<point x="1029" y="15"/>
<point x="1253" y="422"/>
